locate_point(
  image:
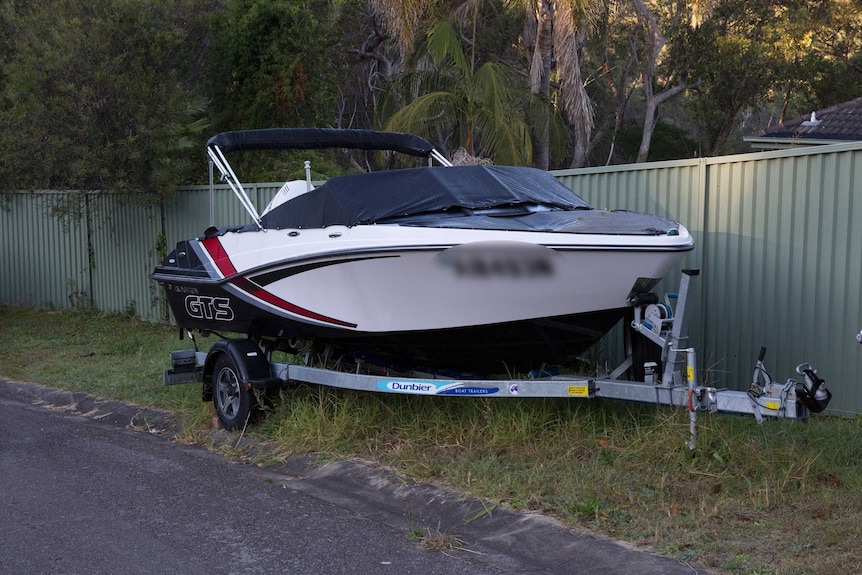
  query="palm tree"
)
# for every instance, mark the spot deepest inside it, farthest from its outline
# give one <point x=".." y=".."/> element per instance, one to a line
<point x="558" y="31"/>
<point x="485" y="109"/>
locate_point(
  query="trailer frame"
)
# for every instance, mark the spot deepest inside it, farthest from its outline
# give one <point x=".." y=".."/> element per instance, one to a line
<point x="663" y="324"/>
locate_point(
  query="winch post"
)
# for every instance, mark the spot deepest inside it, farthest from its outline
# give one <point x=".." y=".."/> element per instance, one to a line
<point x="679" y="330"/>
<point x="672" y="341"/>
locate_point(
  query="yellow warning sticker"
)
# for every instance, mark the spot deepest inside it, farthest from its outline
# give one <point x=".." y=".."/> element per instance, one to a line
<point x="773" y="404"/>
<point x="579" y="391"/>
<point x="689" y="373"/>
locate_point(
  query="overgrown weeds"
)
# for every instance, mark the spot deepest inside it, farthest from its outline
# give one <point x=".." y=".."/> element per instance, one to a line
<point x="782" y="497"/>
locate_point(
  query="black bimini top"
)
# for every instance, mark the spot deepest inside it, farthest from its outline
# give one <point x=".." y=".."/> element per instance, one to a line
<point x="475" y="197"/>
<point x="319" y="138"/>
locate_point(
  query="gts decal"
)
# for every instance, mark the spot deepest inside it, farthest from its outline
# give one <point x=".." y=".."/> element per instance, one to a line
<point x="207" y="307"/>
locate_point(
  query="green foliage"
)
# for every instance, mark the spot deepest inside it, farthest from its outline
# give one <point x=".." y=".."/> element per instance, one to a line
<point x="277" y="63"/>
<point x="273" y="64"/>
<point x="756" y="61"/>
<point x="100" y="94"/>
<point x="669" y="142"/>
<point x="738" y="65"/>
<point x="119" y="94"/>
<point x="796" y="56"/>
<point x="483" y="107"/>
<point x="283" y="165"/>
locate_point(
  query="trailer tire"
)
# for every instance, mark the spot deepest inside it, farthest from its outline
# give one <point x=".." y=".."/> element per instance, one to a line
<point x="235" y="404"/>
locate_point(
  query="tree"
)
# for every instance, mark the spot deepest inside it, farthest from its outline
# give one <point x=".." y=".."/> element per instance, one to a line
<point x="617" y="58"/>
<point x="482" y="108"/>
<point x="740" y="64"/>
<point x="402" y="19"/>
<point x="273" y="64"/>
<point x="560" y="33"/>
<point x="820" y="49"/>
<point x="539" y="41"/>
<point x="101" y="94"/>
<point x="279" y="63"/>
<point x="653" y="43"/>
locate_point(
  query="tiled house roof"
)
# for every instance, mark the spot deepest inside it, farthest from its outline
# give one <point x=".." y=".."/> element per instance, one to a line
<point x="840" y="123"/>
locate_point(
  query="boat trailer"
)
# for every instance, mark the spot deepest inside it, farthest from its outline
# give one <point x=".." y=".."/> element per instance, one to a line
<point x="234" y="369"/>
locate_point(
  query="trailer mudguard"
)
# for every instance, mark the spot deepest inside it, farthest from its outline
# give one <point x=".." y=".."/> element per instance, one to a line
<point x="250" y="361"/>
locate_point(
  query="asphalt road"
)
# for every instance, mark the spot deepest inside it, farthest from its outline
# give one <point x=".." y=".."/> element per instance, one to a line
<point x="87" y="487"/>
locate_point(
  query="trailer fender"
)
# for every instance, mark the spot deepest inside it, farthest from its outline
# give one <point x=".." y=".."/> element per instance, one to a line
<point x="250" y="361"/>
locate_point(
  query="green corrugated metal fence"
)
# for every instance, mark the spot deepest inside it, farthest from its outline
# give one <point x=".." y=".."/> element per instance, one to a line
<point x="43" y="259"/>
<point x="104" y="257"/>
<point x="774" y="232"/>
<point x="779" y="252"/>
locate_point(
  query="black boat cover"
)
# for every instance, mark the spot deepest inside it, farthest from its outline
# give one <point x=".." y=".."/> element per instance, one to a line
<point x="317" y="138"/>
<point x="467" y="197"/>
<point x="581" y="221"/>
<point x="372" y="197"/>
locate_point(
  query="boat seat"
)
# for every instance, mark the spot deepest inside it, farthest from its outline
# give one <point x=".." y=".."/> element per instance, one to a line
<point x="287" y="192"/>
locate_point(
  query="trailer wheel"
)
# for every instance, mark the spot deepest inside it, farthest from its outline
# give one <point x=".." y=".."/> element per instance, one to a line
<point x="234" y="402"/>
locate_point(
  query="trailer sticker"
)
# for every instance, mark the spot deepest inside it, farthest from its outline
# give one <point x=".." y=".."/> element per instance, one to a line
<point x="469" y="390"/>
<point x="432" y="387"/>
<point x="579" y="391"/>
<point x="408" y="387"/>
<point x="773" y="405"/>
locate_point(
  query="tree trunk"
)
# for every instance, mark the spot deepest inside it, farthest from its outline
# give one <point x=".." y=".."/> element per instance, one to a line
<point x="620" y="93"/>
<point x="650" y="119"/>
<point x="654" y="42"/>
<point x="651" y="115"/>
<point x="579" y="108"/>
<point x="540" y="80"/>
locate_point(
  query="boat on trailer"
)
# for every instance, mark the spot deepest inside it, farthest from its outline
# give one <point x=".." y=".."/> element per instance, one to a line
<point x="464" y="269"/>
<point x="420" y="275"/>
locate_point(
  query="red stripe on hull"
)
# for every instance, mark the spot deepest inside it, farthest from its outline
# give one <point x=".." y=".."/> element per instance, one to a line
<point x="225" y="266"/>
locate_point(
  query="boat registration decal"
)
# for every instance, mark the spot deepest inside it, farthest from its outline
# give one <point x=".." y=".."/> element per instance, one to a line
<point x="498" y="260"/>
<point x="432" y="387"/>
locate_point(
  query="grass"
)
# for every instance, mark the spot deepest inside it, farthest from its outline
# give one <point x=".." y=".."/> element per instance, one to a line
<point x="783" y="497"/>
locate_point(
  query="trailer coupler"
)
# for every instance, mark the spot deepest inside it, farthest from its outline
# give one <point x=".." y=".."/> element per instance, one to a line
<point x="813" y="392"/>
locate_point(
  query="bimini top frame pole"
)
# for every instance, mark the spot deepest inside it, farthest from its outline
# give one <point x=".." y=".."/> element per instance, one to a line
<point x="212" y="195"/>
<point x="307" y="139"/>
<point x="217" y="158"/>
<point x="441" y="159"/>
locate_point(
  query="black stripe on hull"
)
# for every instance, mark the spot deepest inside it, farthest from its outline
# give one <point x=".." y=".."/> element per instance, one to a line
<point x="495" y="348"/>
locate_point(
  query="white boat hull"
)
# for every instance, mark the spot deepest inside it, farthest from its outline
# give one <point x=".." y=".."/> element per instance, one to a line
<point x="380" y="283"/>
